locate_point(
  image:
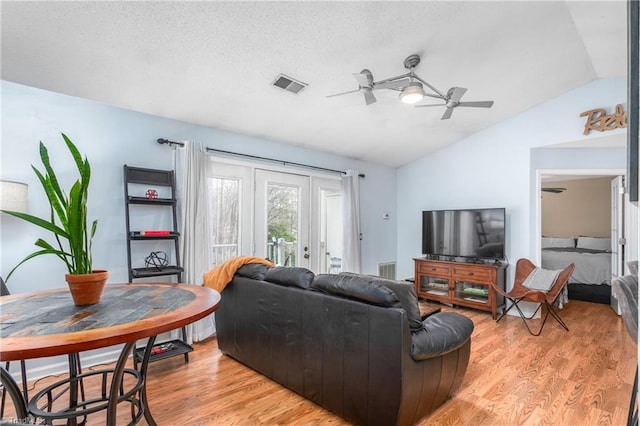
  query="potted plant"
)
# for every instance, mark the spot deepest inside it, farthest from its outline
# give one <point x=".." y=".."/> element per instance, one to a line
<point x="70" y="227"/>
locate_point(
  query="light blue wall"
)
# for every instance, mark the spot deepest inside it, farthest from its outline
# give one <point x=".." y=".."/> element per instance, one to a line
<point x="111" y="137"/>
<point x="493" y="168"/>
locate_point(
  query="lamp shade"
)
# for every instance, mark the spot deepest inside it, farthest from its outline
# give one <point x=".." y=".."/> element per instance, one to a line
<point x="412" y="93"/>
<point x="13" y="196"/>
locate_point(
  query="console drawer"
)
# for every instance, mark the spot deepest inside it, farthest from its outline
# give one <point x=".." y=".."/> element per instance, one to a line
<point x="434" y="270"/>
<point x="469" y="273"/>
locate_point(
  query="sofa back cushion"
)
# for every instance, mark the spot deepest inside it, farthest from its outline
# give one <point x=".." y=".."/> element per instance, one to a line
<point x="256" y="271"/>
<point x="356" y="287"/>
<point x="290" y="276"/>
<point x="405" y="292"/>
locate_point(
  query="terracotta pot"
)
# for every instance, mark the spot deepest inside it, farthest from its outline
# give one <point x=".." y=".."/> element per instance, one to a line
<point x="86" y="289"/>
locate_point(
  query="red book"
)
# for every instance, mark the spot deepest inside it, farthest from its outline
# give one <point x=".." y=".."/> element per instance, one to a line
<point x="154" y="233"/>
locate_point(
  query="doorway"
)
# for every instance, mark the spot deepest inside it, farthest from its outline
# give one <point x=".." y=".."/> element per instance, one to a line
<point x="593" y="211"/>
<point x="291" y="218"/>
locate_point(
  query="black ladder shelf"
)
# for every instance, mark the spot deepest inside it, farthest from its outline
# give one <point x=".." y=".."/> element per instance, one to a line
<point x="162" y="179"/>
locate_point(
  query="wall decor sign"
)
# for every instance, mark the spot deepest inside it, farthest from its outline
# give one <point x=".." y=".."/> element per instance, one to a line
<point x="598" y="119"/>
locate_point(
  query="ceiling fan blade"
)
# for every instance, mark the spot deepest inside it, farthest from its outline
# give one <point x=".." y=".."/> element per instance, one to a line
<point x="456" y="93"/>
<point x="398" y="84"/>
<point x="343" y="93"/>
<point x="369" y="97"/>
<point x="364" y="78"/>
<point x="429" y="105"/>
<point x="477" y="104"/>
<point x="447" y="114"/>
<point x="554" y="190"/>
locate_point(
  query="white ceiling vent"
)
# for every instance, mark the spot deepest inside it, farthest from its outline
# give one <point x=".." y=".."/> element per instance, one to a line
<point x="289" y="84"/>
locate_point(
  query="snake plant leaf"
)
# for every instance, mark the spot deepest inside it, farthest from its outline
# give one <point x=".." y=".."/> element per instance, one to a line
<point x="44" y="157"/>
<point x="34" y="254"/>
<point x="57" y="205"/>
<point x="38" y="222"/>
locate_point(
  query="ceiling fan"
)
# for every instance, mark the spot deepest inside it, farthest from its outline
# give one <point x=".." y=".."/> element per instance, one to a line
<point x="411" y="88"/>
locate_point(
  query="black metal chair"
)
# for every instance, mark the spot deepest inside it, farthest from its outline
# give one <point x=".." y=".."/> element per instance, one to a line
<point x="519" y="292"/>
<point x="4" y="291"/>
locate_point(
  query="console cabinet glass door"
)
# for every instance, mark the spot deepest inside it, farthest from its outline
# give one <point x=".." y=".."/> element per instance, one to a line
<point x="471" y="292"/>
<point x="434" y="286"/>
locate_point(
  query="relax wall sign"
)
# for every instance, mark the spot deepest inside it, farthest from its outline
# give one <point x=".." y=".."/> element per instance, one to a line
<point x="598" y="119"/>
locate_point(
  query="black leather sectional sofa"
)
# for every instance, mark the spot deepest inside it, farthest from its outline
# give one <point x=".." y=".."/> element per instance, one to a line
<point x="353" y="344"/>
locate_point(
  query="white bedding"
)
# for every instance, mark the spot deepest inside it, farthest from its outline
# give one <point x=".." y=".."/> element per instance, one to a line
<point x="591" y="267"/>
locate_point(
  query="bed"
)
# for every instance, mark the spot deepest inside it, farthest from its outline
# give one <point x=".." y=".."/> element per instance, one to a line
<point x="591" y="279"/>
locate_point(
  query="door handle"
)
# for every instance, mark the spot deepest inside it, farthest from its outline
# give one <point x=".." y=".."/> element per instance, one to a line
<point x="306" y="255"/>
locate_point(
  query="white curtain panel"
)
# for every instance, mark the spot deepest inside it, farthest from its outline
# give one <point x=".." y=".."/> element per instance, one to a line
<point x="192" y="170"/>
<point x="351" y="222"/>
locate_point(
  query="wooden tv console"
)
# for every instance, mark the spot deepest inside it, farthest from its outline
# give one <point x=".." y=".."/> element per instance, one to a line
<point x="460" y="283"/>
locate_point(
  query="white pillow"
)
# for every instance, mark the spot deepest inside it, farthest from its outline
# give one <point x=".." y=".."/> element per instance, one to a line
<point x="558" y="242"/>
<point x="594" y="243"/>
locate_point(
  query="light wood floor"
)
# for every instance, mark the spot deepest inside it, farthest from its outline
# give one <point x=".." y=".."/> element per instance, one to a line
<point x="580" y="377"/>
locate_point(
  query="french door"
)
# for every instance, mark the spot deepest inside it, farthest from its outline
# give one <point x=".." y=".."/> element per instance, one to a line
<point x="292" y="219"/>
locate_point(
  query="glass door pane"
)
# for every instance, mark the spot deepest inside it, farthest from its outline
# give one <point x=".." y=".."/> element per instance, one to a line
<point x="224" y="208"/>
<point x="281" y="220"/>
<point x="282" y="223"/>
<point x="229" y="211"/>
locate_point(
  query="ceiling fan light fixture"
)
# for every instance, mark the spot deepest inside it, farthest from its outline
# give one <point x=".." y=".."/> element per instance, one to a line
<point x="413" y="93"/>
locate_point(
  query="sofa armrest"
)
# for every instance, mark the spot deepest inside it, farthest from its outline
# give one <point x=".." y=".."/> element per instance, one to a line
<point x="442" y="333"/>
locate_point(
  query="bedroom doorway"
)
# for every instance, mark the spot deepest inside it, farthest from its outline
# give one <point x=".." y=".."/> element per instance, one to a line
<point x="581" y="206"/>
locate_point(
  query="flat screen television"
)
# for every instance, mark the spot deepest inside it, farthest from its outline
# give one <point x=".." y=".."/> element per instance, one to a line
<point x="472" y="233"/>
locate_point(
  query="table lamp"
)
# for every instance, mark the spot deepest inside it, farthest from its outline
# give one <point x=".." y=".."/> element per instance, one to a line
<point x="13" y="196"/>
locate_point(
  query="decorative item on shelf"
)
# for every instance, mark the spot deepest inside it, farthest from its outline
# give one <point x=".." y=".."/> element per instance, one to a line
<point x="70" y="227"/>
<point x="151" y="194"/>
<point x="157" y="260"/>
<point x="155" y="233"/>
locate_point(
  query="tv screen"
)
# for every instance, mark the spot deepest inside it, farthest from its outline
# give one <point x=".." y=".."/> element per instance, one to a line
<point x="476" y="233"/>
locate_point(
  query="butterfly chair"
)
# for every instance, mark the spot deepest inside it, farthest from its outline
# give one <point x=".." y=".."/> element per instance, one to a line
<point x="520" y="293"/>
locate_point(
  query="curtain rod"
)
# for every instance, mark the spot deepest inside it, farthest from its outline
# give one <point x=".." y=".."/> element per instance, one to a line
<point x="163" y="141"/>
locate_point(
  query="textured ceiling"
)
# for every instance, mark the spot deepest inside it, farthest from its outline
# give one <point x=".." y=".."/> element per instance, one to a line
<point x="212" y="63"/>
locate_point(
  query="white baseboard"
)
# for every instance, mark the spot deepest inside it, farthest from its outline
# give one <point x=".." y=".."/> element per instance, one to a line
<point x="53" y="366"/>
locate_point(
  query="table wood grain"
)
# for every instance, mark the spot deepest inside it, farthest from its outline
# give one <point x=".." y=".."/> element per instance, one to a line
<point x="34" y="325"/>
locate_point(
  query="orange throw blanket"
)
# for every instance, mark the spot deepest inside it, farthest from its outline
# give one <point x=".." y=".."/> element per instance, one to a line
<point x="218" y="277"/>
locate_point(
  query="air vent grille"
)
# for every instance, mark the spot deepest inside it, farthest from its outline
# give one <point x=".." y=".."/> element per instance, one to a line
<point x="387" y="270"/>
<point x="289" y="84"/>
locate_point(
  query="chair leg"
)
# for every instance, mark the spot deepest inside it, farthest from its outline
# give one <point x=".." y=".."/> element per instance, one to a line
<point x="555" y="315"/>
<point x="11" y="387"/>
<point x="514" y="302"/>
<point x="549" y="310"/>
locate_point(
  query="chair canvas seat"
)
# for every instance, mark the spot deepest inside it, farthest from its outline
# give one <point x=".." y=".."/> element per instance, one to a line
<point x="541" y="280"/>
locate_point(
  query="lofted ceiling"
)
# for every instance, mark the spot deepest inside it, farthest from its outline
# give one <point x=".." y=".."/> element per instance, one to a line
<point x="212" y="63"/>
